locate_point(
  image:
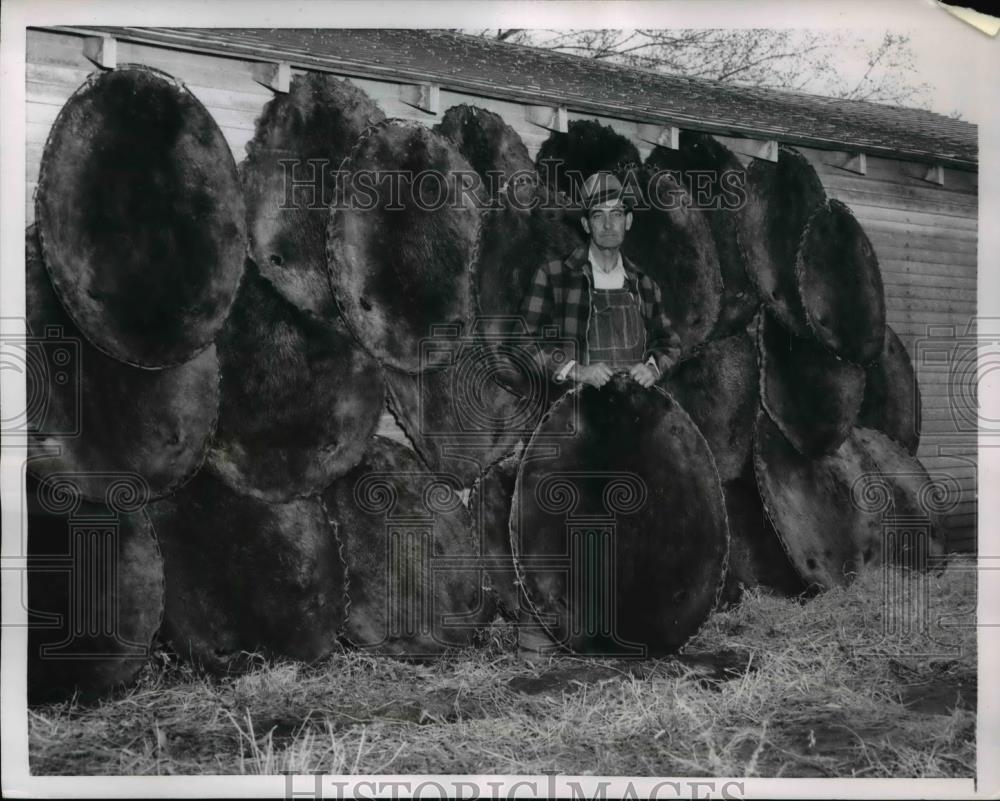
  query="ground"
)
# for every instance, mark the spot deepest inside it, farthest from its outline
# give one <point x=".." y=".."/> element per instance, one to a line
<point x="849" y="683"/>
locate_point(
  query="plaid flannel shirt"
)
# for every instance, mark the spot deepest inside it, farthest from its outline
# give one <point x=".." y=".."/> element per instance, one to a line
<point x="560" y="297"/>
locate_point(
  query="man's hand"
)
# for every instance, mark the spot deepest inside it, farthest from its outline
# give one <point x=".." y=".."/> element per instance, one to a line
<point x="596" y="375"/>
<point x="643" y="374"/>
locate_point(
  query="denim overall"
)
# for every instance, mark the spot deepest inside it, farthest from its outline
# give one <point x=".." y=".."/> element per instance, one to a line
<point x="616" y="334"/>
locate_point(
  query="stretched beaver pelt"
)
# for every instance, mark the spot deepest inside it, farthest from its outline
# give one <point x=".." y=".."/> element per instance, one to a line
<point x="489" y="144"/>
<point x="891" y="402"/>
<point x="756" y="556"/>
<point x="815" y="505"/>
<point x="414" y="578"/>
<point x="812" y="396"/>
<point x="781" y="197"/>
<point x="618" y="525"/>
<point x="244" y="576"/>
<point x="673" y="244"/>
<point x="840" y="284"/>
<point x="98" y="418"/>
<point x="141" y="217"/>
<point x="459" y="419"/>
<point x="401" y="262"/>
<point x="89" y="563"/>
<point x="913" y="534"/>
<point x="717" y="386"/>
<point x="715" y="176"/>
<point x="566" y="160"/>
<point x="299" y="397"/>
<point x="490" y="502"/>
<point x="302" y="135"/>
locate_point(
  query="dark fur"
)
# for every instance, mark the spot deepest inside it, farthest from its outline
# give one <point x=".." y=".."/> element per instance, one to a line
<point x="489" y="503"/>
<point x="137" y="595"/>
<point x="676" y="249"/>
<point x="514" y="244"/>
<point x="718" y="388"/>
<point x="700" y="151"/>
<point x="840" y="284"/>
<point x="670" y="551"/>
<point x="321" y="117"/>
<point x="366" y="532"/>
<point x="780" y="199"/>
<point x="153" y="423"/>
<point x="913" y="501"/>
<point x="892" y="395"/>
<point x="244" y="575"/>
<point x="485" y="140"/>
<point x="811" y="395"/>
<point x="141" y="217"/>
<point x="756" y="556"/>
<point x="586" y="147"/>
<point x="396" y="274"/>
<point x="459" y="421"/>
<point x="299" y="397"/>
<point x="829" y="537"/>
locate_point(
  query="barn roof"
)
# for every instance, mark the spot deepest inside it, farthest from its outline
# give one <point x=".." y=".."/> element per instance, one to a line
<point x="534" y="75"/>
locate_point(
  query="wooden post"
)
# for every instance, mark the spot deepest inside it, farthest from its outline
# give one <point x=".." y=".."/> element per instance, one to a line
<point x="858" y="162"/>
<point x="102" y="50"/>
<point x="748" y="149"/>
<point x="552" y="118"/>
<point x="935" y="175"/>
<point x="425" y="97"/>
<point x="276" y="76"/>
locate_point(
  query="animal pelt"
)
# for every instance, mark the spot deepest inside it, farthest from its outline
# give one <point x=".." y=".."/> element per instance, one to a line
<point x="814" y="503"/>
<point x="460" y="419"/>
<point x="813" y="396"/>
<point x="299" y="397"/>
<point x="891" y="402"/>
<point x="676" y="248"/>
<point x="318" y="120"/>
<point x="781" y="197"/>
<point x="489" y="503"/>
<point x="720" y="188"/>
<point x="141" y="216"/>
<point x="718" y="387"/>
<point x="399" y="273"/>
<point x="756" y="556"/>
<point x="566" y="160"/>
<point x="515" y="243"/>
<point x="840" y="284"/>
<point x="99" y="418"/>
<point x="108" y="569"/>
<point x="626" y="466"/>
<point x="910" y="497"/>
<point x="414" y="581"/>
<point x="246" y="576"/>
<point x="489" y="144"/>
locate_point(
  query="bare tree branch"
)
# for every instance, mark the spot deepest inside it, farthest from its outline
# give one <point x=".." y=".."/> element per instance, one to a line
<point x="820" y="62"/>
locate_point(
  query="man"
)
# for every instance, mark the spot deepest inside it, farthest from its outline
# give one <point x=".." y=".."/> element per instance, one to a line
<point x="603" y="301"/>
<point x="612" y="310"/>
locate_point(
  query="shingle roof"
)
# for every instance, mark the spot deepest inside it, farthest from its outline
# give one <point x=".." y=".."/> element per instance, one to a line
<point x="534" y="75"/>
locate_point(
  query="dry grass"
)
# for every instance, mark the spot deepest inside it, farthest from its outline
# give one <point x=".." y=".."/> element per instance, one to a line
<point x="823" y="696"/>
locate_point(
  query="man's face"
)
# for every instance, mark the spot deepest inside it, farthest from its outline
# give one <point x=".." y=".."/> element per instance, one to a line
<point x="607" y="224"/>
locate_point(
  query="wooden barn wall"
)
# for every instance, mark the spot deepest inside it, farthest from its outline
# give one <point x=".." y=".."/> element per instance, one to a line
<point x="924" y="234"/>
